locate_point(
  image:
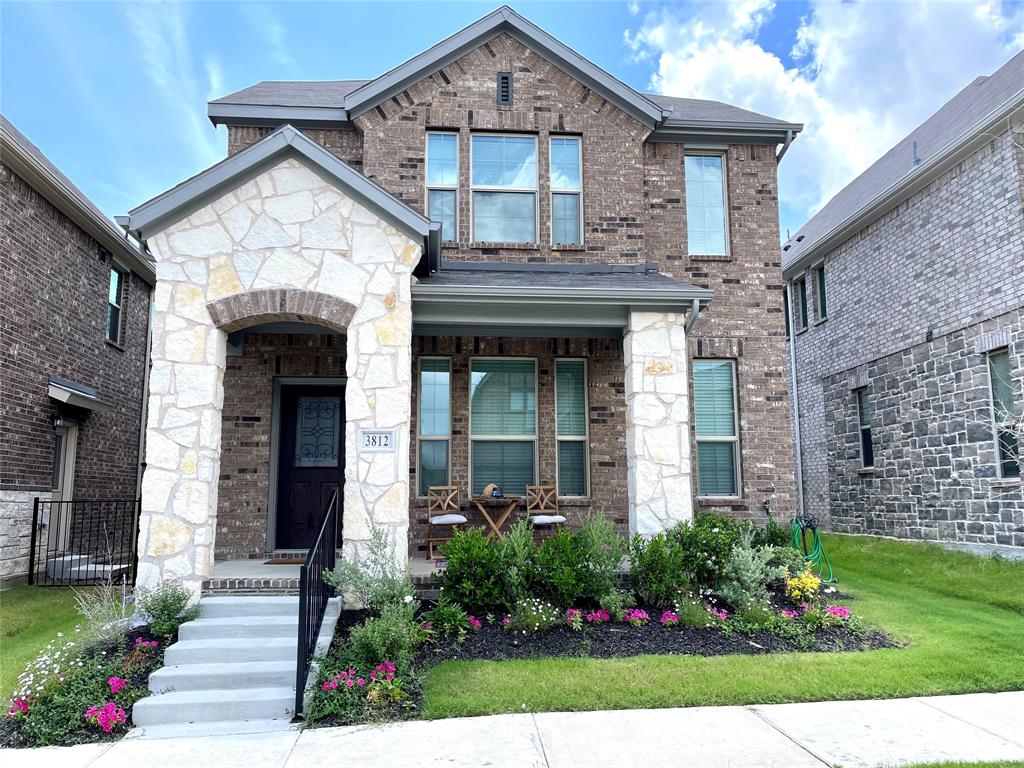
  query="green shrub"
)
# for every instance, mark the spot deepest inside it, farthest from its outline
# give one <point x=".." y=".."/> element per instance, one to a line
<point x="747" y="573"/>
<point x="377" y="581"/>
<point x="447" y="618"/>
<point x="616" y="602"/>
<point x="559" y="571"/>
<point x="693" y="612"/>
<point x="533" y="615"/>
<point x="473" y="576"/>
<point x="657" y="570"/>
<point x="755" y="617"/>
<point x="391" y="636"/>
<point x="166" y="607"/>
<point x="706" y="544"/>
<point x="515" y="557"/>
<point x="602" y="550"/>
<point x="785" y="562"/>
<point x="773" y="534"/>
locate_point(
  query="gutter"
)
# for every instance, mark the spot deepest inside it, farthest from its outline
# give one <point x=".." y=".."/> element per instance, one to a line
<point x="145" y="397"/>
<point x="691" y="318"/>
<point x="796" y="408"/>
<point x="514" y="295"/>
<point x="785" y="147"/>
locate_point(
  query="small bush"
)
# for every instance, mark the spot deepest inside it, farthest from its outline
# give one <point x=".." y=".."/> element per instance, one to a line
<point x="391" y="636"/>
<point x="473" y="577"/>
<point x="351" y="695"/>
<point x="785" y="562"/>
<point x="804" y="587"/>
<point x="772" y="535"/>
<point x="657" y="570"/>
<point x="377" y="581"/>
<point x="706" y="544"/>
<point x="602" y="550"/>
<point x="616" y="602"/>
<point x="756" y="617"/>
<point x="447" y="618"/>
<point x="560" y="570"/>
<point x="747" y="573"/>
<point x="166" y="607"/>
<point x="104" y="611"/>
<point x="533" y="615"/>
<point x="515" y="557"/>
<point x="693" y="612"/>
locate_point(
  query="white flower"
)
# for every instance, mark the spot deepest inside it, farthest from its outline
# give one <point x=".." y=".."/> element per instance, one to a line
<point x="407" y="599"/>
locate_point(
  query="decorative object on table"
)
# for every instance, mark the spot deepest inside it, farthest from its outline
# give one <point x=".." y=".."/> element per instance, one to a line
<point x="542" y="507"/>
<point x="442" y="510"/>
<point x="493" y="490"/>
<point x="814" y="553"/>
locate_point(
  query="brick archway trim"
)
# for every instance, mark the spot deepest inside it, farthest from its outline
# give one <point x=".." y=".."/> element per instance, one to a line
<point x="293" y="305"/>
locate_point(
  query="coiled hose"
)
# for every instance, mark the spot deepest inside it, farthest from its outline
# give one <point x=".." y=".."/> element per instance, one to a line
<point x="815" y="555"/>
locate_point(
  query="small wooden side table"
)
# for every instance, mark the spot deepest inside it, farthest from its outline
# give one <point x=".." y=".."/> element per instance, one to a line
<point x="505" y="505"/>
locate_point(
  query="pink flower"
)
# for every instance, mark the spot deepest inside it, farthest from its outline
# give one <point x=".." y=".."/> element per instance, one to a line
<point x="474" y="622"/>
<point x="789" y="614"/>
<point x="360" y="682"/>
<point x="718" y="613"/>
<point x="636" y="616"/>
<point x="18" y="707"/>
<point x="116" y="684"/>
<point x="838" y="612"/>
<point x="106" y="717"/>
<point x="598" y="616"/>
<point x="805" y="607"/>
<point x="669" y="619"/>
<point x="330" y="685"/>
<point x="426" y="625"/>
<point x="349" y="682"/>
<point x="506" y="621"/>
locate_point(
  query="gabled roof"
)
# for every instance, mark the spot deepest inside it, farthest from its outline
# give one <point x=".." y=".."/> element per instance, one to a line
<point x="958" y="127"/>
<point x="28" y="161"/>
<point x="176" y="203"/>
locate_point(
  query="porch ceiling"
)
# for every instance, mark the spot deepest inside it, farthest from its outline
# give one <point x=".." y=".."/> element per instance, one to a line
<point x="585" y="301"/>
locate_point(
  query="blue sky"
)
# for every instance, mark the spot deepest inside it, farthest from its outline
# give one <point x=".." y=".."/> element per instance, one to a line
<point x="115" y="93"/>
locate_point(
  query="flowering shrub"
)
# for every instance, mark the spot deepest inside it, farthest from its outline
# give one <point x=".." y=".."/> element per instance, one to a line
<point x="166" y="607"/>
<point x="108" y="716"/>
<point x="598" y="616"/>
<point x="574" y="618"/>
<point x="705" y="545"/>
<point x="475" y="623"/>
<point x="350" y="696"/>
<point x="18" y="707"/>
<point x="692" y="612"/>
<point x="669" y="619"/>
<point x="533" y="615"/>
<point x="838" y="612"/>
<point x="116" y="684"/>
<point x="803" y="587"/>
<point x="789" y="614"/>
<point x="636" y="617"/>
<point x="718" y="613"/>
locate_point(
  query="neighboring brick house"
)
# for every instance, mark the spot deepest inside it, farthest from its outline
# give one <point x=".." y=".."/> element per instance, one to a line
<point x="75" y="325"/>
<point x="908" y="307"/>
<point x="567" y="232"/>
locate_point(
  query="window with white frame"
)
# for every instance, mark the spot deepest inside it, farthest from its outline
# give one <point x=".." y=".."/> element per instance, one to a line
<point x="566" y="190"/>
<point x="571" y="427"/>
<point x="504" y="181"/>
<point x="443" y="183"/>
<point x="717" y="427"/>
<point x="1005" y="414"/>
<point x="115" y="300"/>
<point x="706" y="222"/>
<point x="867" y="445"/>
<point x="434" y="430"/>
<point x="503" y="424"/>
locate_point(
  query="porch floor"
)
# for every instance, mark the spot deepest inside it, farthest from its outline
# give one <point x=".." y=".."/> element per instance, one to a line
<point x="257" y="577"/>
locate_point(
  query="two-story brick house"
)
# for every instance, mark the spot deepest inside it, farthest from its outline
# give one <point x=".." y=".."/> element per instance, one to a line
<point x="495" y="263"/>
<point x="74" y="334"/>
<point x="908" y="317"/>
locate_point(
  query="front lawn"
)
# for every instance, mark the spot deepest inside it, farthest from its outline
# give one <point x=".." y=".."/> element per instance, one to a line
<point x="29" y="618"/>
<point x="962" y="617"/>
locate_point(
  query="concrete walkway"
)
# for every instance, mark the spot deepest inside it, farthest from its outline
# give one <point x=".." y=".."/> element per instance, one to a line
<point x="853" y="734"/>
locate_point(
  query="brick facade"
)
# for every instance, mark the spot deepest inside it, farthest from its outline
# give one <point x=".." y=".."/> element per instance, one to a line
<point x="908" y="296"/>
<point x="54" y="322"/>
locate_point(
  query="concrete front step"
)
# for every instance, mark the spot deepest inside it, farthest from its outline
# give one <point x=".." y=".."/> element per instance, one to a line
<point x="214" y="650"/>
<point x="274" y="605"/>
<point x="224" y="704"/>
<point x="240" y="626"/>
<point x="221" y="676"/>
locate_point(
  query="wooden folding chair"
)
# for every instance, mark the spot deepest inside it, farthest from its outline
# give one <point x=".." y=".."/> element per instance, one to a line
<point x="442" y="510"/>
<point x="542" y="507"/>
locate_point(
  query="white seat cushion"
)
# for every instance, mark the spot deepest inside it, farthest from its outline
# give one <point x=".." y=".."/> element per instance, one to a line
<point x="451" y="519"/>
<point x="547" y="519"/>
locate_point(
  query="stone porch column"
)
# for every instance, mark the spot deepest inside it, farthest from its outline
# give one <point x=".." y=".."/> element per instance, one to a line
<point x="657" y="422"/>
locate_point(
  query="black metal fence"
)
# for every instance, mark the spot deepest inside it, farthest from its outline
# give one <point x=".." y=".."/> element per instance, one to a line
<point x="314" y="593"/>
<point x="83" y="542"/>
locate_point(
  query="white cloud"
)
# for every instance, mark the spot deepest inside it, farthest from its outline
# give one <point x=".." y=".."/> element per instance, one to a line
<point x="866" y="74"/>
<point x="267" y="24"/>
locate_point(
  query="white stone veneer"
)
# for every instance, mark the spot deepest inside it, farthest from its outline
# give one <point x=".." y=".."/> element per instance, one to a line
<point x="286" y="229"/>
<point x="657" y="422"/>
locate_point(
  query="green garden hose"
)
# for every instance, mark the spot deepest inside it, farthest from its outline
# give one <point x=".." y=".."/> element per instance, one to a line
<point x="815" y="554"/>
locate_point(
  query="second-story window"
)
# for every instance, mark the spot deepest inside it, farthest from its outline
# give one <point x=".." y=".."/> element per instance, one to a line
<point x="821" y="303"/>
<point x="115" y="299"/>
<point x="443" y="183"/>
<point x="566" y="191"/>
<point x="504" y="178"/>
<point x="801" y="303"/>
<point x="706" y="224"/>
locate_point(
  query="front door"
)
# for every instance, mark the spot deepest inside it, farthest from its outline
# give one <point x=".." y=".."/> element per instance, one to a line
<point x="311" y="459"/>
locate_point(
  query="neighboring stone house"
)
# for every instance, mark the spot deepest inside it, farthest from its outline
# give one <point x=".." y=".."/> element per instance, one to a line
<point x="907" y="296"/>
<point x="75" y="324"/>
<point x="485" y="266"/>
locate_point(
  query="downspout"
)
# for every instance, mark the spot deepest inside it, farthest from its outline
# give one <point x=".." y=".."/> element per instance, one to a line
<point x="145" y="393"/>
<point x="691" y="318"/>
<point x="785" y="147"/>
<point x="796" y="406"/>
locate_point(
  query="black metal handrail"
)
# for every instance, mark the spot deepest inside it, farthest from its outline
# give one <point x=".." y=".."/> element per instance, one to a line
<point x="314" y="593"/>
<point x="83" y="541"/>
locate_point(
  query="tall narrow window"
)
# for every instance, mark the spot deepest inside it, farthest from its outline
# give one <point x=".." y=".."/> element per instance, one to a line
<point x="443" y="183"/>
<point x="504" y="176"/>
<point x="706" y="225"/>
<point x="801" y="303"/>
<point x="571" y="426"/>
<point x="717" y="427"/>
<point x="503" y="424"/>
<point x="115" y="298"/>
<point x="434" y="423"/>
<point x="566" y="191"/>
<point x="867" y="447"/>
<point x="819" y="288"/>
<point x="1005" y="415"/>
<point x="786" y="309"/>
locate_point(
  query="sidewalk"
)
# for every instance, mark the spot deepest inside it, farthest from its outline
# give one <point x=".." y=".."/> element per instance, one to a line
<point x="850" y="734"/>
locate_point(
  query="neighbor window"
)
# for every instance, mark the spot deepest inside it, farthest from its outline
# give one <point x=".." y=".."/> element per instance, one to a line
<point x="115" y="300"/>
<point x="504" y="178"/>
<point x="434" y="423"/>
<point x="715" y="417"/>
<point x="1005" y="414"/>
<point x="801" y="303"/>
<point x="443" y="183"/>
<point x="706" y="226"/>
<point x="566" y="191"/>
<point x="867" y="448"/>
<point x="819" y="289"/>
<point x="571" y="426"/>
<point x="503" y="424"/>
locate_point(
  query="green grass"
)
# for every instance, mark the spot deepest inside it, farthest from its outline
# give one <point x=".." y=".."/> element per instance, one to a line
<point x="999" y="764"/>
<point x="29" y="618"/>
<point x="961" y="616"/>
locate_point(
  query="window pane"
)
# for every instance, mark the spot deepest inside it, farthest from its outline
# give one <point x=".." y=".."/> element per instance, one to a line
<point x="441" y="208"/>
<point x="503" y="399"/>
<point x="713" y="402"/>
<point x="435" y="397"/>
<point x="716" y="469"/>
<point x="565" y="219"/>
<point x="505" y="161"/>
<point x="801" y="288"/>
<point x="705" y="204"/>
<point x="867" y="448"/>
<point x="433" y="464"/>
<point x="785" y="311"/>
<point x="565" y="164"/>
<point x="572" y="468"/>
<point x="822" y="303"/>
<point x="507" y="463"/>
<point x="442" y="159"/>
<point x="1002" y="388"/>
<point x="571" y="389"/>
<point x="318" y="430"/>
<point x="863" y="407"/>
<point x="114" y="293"/>
<point x="504" y="217"/>
<point x="1009" y="453"/>
<point x="113" y="323"/>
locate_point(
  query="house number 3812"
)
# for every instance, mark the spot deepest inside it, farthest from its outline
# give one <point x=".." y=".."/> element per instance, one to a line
<point x="377" y="440"/>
